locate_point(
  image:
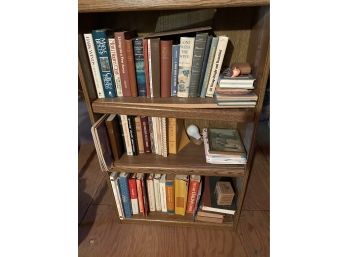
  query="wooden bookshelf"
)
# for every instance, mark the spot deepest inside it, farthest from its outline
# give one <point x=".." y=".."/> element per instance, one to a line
<point x="190" y="160"/>
<point x="184" y="108"/>
<point x="246" y="23"/>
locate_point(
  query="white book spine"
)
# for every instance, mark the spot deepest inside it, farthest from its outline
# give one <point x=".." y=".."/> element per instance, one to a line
<point x="151" y="194"/>
<point x="115" y="189"/>
<point x="164" y="137"/>
<point x="135" y="209"/>
<point x="155" y="133"/>
<point x="185" y="63"/>
<point x="163" y="193"/>
<point x="126" y="134"/>
<point x="117" y="77"/>
<point x="150" y="66"/>
<point x="156" y="183"/>
<point x="217" y="63"/>
<point x="94" y="65"/>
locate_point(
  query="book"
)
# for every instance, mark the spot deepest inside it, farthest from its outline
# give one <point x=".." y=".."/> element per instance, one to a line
<point x="101" y="45"/>
<point x="175" y="127"/>
<point x="94" y="65"/>
<point x="146" y="66"/>
<point x="145" y="133"/>
<point x="208" y="69"/>
<point x="116" y="191"/>
<point x="195" y="180"/>
<point x="217" y="63"/>
<point x="159" y="135"/>
<point x="139" y="66"/>
<point x="131" y="67"/>
<point x="185" y="63"/>
<point x="224" y="193"/>
<point x="166" y="67"/>
<point x="115" y="68"/>
<point x="170" y="193"/>
<point x="121" y="51"/>
<point x="132" y="185"/>
<point x="164" y="136"/>
<point x="209" y="219"/>
<point x="115" y="138"/>
<point x="236" y="97"/>
<point x="197" y="61"/>
<point x="210" y="214"/>
<point x="181" y="186"/>
<point x="225" y="141"/>
<point x="132" y="134"/>
<point x="149" y="119"/>
<point x="179" y="31"/>
<point x="151" y="192"/>
<point x="209" y="199"/>
<point x="138" y="128"/>
<point x="156" y="184"/>
<point x="204" y="64"/>
<point x="124" y="191"/>
<point x="154" y="67"/>
<point x="139" y="179"/>
<point x="126" y="134"/>
<point x="155" y="134"/>
<point x="163" y="193"/>
<point x="144" y="192"/>
<point x="175" y="67"/>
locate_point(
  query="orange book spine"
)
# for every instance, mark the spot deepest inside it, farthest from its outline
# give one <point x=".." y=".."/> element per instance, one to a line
<point x="140" y="197"/>
<point x="192" y="196"/>
<point x="170" y="198"/>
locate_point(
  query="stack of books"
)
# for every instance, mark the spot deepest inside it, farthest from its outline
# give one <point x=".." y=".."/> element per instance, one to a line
<point x="235" y="91"/>
<point x="223" y="146"/>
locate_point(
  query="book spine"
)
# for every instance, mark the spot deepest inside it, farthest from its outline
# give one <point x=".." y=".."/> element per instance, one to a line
<point x="155" y="133"/>
<point x="133" y="195"/>
<point x="175" y="67"/>
<point x="156" y="184"/>
<point x="180" y="196"/>
<point x="155" y="66"/>
<point x="140" y="196"/>
<point x="172" y="140"/>
<point x="103" y="54"/>
<point x="146" y="134"/>
<point x="122" y="62"/>
<point x="197" y="60"/>
<point x="94" y="65"/>
<point x="185" y="63"/>
<point x="117" y="196"/>
<point x="114" y="138"/>
<point x="152" y="139"/>
<point x="217" y="63"/>
<point x="166" y="66"/>
<point x="123" y="185"/>
<point x="144" y="191"/>
<point x="164" y="137"/>
<point x="207" y="72"/>
<point x="204" y="64"/>
<point x="115" y="68"/>
<point x="163" y="194"/>
<point x="140" y="141"/>
<point x="132" y="134"/>
<point x="146" y="66"/>
<point x="170" y="197"/>
<point x="159" y="135"/>
<point x="150" y="67"/>
<point x="151" y="194"/>
<point x="192" y="196"/>
<point x="139" y="66"/>
<point x="126" y="134"/>
<point x="131" y="67"/>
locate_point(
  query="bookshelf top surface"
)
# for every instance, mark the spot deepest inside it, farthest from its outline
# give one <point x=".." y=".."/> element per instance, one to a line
<point x="126" y="5"/>
<point x="184" y="108"/>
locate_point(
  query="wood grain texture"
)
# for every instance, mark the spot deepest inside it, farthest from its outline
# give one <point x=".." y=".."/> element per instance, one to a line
<point x="125" y="5"/>
<point x="190" y="160"/>
<point x="160" y="107"/>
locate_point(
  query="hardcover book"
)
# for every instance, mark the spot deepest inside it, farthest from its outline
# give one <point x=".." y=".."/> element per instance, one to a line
<point x="195" y="181"/>
<point x="151" y="192"/>
<point x="101" y="45"/>
<point x="132" y="184"/>
<point x="153" y="150"/>
<point x="170" y="193"/>
<point x="132" y="134"/>
<point x="181" y="186"/>
<point x="126" y="134"/>
<point x="139" y="66"/>
<point x="166" y="67"/>
<point x="175" y="68"/>
<point x="156" y="184"/>
<point x="131" y="67"/>
<point x="144" y="191"/>
<point x="164" y="140"/>
<point x="115" y="138"/>
<point x="175" y="127"/>
<point x="140" y="141"/>
<point x="146" y="134"/>
<point x="154" y="67"/>
<point x="94" y="65"/>
<point x="115" y="68"/>
<point x="225" y="141"/>
<point x="139" y="179"/>
<point x="185" y="64"/>
<point x="209" y="65"/>
<point x="204" y="64"/>
<point x="126" y="202"/>
<point x="163" y="193"/>
<point x="116" y="191"/>
<point x="146" y="66"/>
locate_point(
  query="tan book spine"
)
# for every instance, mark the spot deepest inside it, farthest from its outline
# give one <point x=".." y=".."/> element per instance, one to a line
<point x="172" y="140"/>
<point x="139" y="134"/>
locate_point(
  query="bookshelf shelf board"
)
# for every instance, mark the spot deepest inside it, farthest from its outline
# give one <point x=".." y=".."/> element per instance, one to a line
<point x="185" y="108"/>
<point x="190" y="160"/>
<point x="173" y="219"/>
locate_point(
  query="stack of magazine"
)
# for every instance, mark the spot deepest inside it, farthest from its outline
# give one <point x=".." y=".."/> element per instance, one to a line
<point x="223" y="146"/>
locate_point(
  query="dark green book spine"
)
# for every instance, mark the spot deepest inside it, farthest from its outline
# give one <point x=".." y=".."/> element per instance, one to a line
<point x="204" y="64"/>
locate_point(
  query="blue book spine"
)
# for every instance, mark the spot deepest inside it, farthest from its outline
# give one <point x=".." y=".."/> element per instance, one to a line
<point x="101" y="45"/>
<point x="123" y="184"/>
<point x="175" y="68"/>
<point x="139" y="66"/>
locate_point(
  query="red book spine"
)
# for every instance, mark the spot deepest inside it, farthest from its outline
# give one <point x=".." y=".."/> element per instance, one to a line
<point x="146" y="67"/>
<point x="131" y="67"/>
<point x="140" y="196"/>
<point x="192" y="196"/>
<point x="132" y="188"/>
<point x="166" y="67"/>
<point x="122" y="62"/>
<point x="146" y="133"/>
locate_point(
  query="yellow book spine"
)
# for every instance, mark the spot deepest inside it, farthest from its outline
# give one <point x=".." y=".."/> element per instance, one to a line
<point x="181" y="185"/>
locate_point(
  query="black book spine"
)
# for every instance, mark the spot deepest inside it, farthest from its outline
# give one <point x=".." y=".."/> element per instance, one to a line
<point x="133" y="134"/>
